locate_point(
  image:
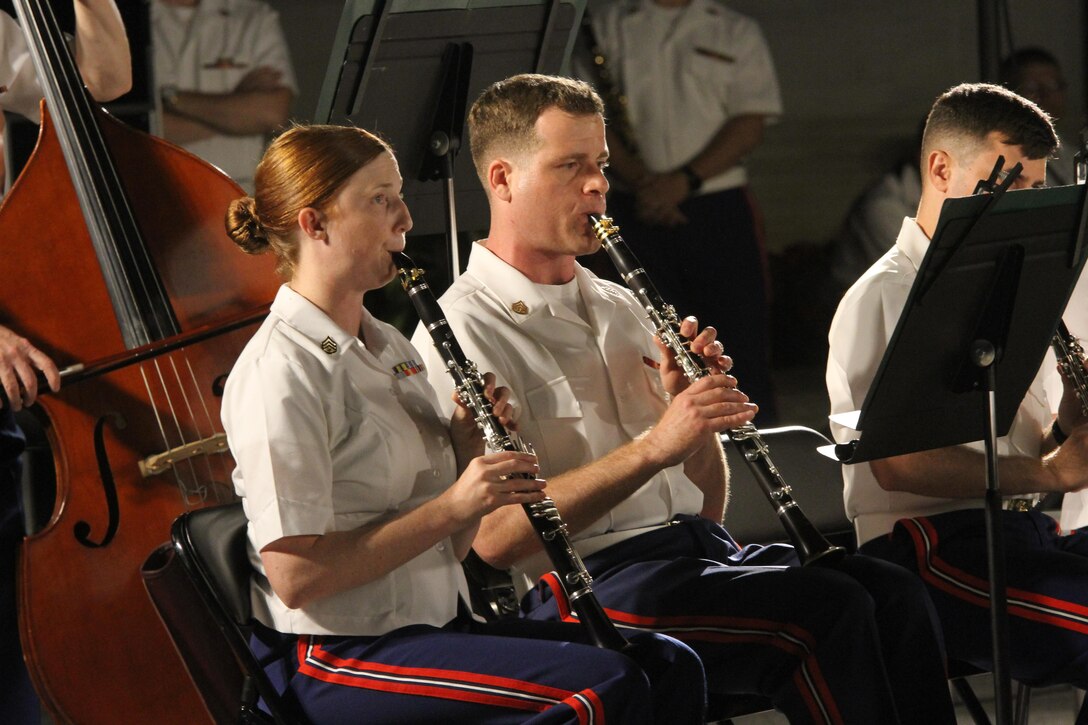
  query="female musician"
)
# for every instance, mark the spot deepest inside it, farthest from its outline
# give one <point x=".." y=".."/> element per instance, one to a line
<point x="345" y="469"/>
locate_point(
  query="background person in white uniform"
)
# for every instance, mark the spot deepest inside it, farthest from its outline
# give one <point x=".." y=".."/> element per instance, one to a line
<point x="224" y="79"/>
<point x="700" y="86"/>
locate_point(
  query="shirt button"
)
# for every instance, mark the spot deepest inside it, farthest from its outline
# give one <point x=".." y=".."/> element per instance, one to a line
<point x="435" y="472"/>
<point x="440" y="546"/>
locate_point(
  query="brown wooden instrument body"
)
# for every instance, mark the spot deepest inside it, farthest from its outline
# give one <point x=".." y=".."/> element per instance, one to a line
<point x="93" y="644"/>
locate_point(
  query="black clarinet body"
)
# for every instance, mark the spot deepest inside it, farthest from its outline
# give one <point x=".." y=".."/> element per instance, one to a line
<point x="813" y="549"/>
<point x="543" y="515"/>
<point x="1070" y="356"/>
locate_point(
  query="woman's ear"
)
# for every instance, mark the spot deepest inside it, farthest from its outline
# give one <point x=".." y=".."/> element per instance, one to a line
<point x="313" y="222"/>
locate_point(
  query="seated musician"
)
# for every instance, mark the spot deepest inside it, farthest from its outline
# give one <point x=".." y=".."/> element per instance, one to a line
<point x="632" y="451"/>
<point x="362" y="498"/>
<point x="102" y="56"/>
<point x="924" y="510"/>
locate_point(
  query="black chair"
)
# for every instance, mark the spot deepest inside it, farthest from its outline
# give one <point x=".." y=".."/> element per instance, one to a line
<point x="816" y="483"/>
<point x="199" y="584"/>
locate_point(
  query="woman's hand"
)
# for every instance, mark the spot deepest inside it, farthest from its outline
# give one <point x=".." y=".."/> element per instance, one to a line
<point x="468" y="442"/>
<point x="494" y="480"/>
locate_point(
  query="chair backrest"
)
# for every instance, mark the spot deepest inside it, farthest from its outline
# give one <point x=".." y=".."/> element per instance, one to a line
<point x="199" y="584"/>
<point x="814" y="479"/>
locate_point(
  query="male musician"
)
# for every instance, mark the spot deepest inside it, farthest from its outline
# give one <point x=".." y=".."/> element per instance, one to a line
<point x="631" y="450"/>
<point x="102" y="55"/>
<point x="923" y="510"/>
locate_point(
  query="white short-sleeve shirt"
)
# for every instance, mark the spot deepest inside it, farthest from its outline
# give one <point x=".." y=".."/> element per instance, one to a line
<point x="685" y="72"/>
<point x="22" y="92"/>
<point x="330" y="435"/>
<point x="209" y="48"/>
<point x="541" y="352"/>
<point x="860" y="332"/>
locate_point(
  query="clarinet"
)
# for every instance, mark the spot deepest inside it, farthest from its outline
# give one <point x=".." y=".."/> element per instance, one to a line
<point x="1071" y="362"/>
<point x="812" y="547"/>
<point x="543" y="515"/>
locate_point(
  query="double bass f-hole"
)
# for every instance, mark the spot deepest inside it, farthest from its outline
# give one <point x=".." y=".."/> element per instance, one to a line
<point x="82" y="529"/>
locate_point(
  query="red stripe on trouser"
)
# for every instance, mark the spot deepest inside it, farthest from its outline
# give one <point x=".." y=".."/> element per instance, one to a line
<point x="770" y="633"/>
<point x="831" y="715"/>
<point x="448" y="691"/>
<point x="579" y="707"/>
<point x="930" y="563"/>
<point x="562" y="603"/>
<point x="598" y="706"/>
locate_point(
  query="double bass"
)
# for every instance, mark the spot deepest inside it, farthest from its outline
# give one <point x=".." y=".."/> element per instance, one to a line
<point x="114" y="245"/>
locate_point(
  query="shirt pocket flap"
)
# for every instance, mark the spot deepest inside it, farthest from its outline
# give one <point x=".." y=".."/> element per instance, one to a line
<point x="554" y="399"/>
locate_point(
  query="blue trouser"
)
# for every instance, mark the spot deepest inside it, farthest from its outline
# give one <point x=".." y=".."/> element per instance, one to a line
<point x="1047" y="584"/>
<point x="508" y="672"/>
<point x="855" y="644"/>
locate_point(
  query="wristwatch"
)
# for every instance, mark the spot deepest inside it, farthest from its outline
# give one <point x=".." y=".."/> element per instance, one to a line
<point x="169" y="95"/>
<point x="695" y="182"/>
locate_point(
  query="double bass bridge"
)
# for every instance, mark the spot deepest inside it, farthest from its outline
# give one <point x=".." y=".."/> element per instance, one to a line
<point x="158" y="463"/>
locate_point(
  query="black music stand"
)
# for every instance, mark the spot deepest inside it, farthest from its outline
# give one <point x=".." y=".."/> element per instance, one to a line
<point x="407" y="71"/>
<point x="971" y="338"/>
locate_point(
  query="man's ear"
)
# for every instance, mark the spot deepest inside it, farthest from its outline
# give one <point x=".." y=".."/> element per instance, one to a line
<point x="938" y="170"/>
<point x="312" y="222"/>
<point x="499" y="179"/>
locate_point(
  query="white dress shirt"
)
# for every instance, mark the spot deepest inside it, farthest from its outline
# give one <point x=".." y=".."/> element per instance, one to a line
<point x="22" y="92"/>
<point x="209" y="48"/>
<point x="330" y="434"/>
<point x="860" y="332"/>
<point x="543" y="354"/>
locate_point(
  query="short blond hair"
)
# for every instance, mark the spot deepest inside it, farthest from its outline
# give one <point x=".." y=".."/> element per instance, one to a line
<point x="503" y="119"/>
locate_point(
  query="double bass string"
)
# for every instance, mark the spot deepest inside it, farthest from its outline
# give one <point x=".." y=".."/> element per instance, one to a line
<point x="139" y="281"/>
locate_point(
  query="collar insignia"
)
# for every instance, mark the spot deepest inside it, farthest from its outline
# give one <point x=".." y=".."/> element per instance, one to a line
<point x="329" y="346"/>
<point x="520" y="307"/>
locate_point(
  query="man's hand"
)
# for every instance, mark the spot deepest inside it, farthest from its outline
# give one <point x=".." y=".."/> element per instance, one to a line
<point x="659" y="197"/>
<point x="709" y="405"/>
<point x="705" y="344"/>
<point x="263" y="78"/>
<point x="19" y="361"/>
<point x="1069" y="463"/>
